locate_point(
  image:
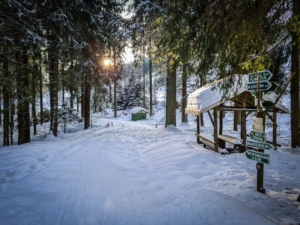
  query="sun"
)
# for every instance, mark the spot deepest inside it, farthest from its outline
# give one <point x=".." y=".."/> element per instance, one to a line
<point x="107" y="62"/>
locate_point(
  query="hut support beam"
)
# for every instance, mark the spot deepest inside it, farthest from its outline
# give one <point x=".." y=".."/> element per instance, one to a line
<point x="216" y="145"/>
<point x="198" y="128"/>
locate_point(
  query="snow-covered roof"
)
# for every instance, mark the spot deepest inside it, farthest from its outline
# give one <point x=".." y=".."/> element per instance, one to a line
<point x="137" y="109"/>
<point x="208" y="97"/>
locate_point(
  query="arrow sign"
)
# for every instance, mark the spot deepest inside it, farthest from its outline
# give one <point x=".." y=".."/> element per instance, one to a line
<point x="263" y="76"/>
<point x="263" y="86"/>
<point x="258" y="136"/>
<point x="258" y="156"/>
<point x="258" y="145"/>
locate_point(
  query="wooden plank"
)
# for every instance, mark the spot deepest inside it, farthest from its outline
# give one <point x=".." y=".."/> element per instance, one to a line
<point x="207" y="142"/>
<point x="226" y="108"/>
<point x="204" y="138"/>
<point x="230" y="139"/>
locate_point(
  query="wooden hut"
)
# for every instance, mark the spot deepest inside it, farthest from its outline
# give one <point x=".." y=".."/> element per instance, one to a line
<point x="138" y="113"/>
<point x="239" y="100"/>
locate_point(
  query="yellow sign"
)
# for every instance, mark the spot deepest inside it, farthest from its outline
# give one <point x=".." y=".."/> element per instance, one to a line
<point x="258" y="121"/>
<point x="258" y="127"/>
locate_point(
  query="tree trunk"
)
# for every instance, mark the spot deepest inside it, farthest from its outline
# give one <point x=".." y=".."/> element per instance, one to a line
<point x="144" y="80"/>
<point x="83" y="90"/>
<point x="184" y="94"/>
<point x="11" y="118"/>
<point x="150" y="86"/>
<point x="0" y="103"/>
<point x="150" y="79"/>
<point x="71" y="98"/>
<point x="53" y="78"/>
<point x="87" y="99"/>
<point x="22" y="96"/>
<point x="115" y="82"/>
<point x="202" y="82"/>
<point x="295" y="117"/>
<point x="63" y="83"/>
<point x="41" y="90"/>
<point x="171" y="93"/>
<point x="71" y="85"/>
<point x="33" y="83"/>
<point x="5" y="98"/>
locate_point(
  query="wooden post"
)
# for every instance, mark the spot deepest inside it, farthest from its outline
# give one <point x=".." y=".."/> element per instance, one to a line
<point x="243" y="126"/>
<point x="201" y="119"/>
<point x="221" y="114"/>
<point x="275" y="130"/>
<point x="198" y="128"/>
<point x="221" y="143"/>
<point x="260" y="166"/>
<point x="236" y="118"/>
<point x="216" y="146"/>
<point x="243" y="129"/>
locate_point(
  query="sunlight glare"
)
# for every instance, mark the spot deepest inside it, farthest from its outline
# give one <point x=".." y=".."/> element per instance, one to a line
<point x="107" y="62"/>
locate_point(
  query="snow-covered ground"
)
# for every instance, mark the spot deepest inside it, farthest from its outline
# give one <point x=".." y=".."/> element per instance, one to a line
<point x="134" y="173"/>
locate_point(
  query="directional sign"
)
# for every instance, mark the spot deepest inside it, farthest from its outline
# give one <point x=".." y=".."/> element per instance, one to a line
<point x="258" y="136"/>
<point x="258" y="156"/>
<point x="263" y="76"/>
<point x="263" y="86"/>
<point x="259" y="145"/>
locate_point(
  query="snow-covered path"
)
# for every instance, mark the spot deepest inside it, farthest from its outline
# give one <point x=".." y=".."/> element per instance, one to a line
<point x="134" y="173"/>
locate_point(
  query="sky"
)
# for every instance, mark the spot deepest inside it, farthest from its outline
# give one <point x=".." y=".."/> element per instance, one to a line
<point x="130" y="172"/>
<point x="128" y="56"/>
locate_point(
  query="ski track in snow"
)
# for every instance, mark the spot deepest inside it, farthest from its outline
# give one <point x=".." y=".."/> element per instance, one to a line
<point x="83" y="186"/>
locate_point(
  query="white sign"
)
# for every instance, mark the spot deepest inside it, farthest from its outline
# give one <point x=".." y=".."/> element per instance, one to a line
<point x="258" y="120"/>
<point x="257" y="127"/>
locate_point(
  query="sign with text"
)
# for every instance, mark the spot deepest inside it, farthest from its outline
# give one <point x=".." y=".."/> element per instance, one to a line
<point x="258" y="136"/>
<point x="259" y="145"/>
<point x="263" y="86"/>
<point x="265" y="75"/>
<point x="258" y="156"/>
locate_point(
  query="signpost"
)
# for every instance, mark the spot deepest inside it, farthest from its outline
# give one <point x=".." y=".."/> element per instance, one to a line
<point x="259" y="145"/>
<point x="258" y="136"/>
<point x="263" y="86"/>
<point x="258" y="82"/>
<point x="258" y="156"/>
<point x="265" y="75"/>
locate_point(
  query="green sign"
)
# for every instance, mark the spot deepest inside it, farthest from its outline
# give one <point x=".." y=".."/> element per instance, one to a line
<point x="258" y="156"/>
<point x="263" y="86"/>
<point x="254" y="93"/>
<point x="258" y="136"/>
<point x="263" y="76"/>
<point x="258" y="145"/>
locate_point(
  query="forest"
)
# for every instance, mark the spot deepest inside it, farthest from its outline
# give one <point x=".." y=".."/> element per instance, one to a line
<point x="60" y="46"/>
